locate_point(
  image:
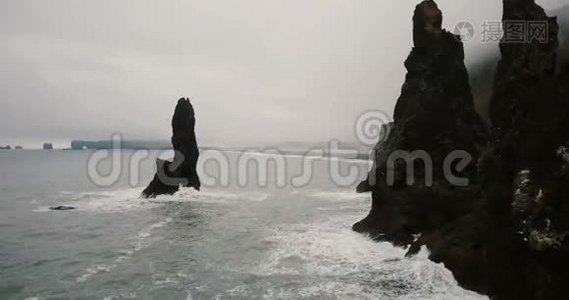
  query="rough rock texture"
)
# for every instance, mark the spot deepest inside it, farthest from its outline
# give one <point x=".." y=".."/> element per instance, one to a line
<point x="434" y="114"/>
<point x="529" y="111"/>
<point x="435" y="111"/>
<point x="563" y="20"/>
<point x="182" y="170"/>
<point x="367" y="185"/>
<point x="506" y="233"/>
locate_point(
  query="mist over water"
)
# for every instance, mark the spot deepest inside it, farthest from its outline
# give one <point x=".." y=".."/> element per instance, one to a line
<point x="221" y="243"/>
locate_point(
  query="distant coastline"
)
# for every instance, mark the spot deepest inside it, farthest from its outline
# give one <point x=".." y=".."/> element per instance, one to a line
<point x="286" y="149"/>
<point x="124" y="144"/>
<point x="295" y="149"/>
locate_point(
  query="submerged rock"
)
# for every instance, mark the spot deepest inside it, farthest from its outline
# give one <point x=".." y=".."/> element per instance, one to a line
<point x="182" y="170"/>
<point x="62" y="207"/>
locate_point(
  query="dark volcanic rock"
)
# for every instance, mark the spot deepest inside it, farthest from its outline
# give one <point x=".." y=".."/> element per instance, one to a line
<point x="523" y="69"/>
<point x="435" y="115"/>
<point x="528" y="182"/>
<point x="506" y="233"/>
<point x="181" y="171"/>
<point x="47" y="146"/>
<point x="62" y="207"/>
<point x="6" y="148"/>
<point x="367" y="185"/>
<point x="364" y="186"/>
<point x="530" y="114"/>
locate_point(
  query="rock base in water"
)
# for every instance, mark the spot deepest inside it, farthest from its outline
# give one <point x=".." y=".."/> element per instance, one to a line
<point x="506" y="233"/>
<point x="182" y="170"/>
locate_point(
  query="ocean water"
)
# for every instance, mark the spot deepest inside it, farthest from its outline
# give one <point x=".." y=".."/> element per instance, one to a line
<point x="228" y="241"/>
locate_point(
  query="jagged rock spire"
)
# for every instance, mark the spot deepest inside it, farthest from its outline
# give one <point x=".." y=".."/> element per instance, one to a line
<point x="427" y="19"/>
<point x="182" y="171"/>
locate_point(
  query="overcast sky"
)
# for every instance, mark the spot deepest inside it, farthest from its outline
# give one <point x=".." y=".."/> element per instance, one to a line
<point x="257" y="71"/>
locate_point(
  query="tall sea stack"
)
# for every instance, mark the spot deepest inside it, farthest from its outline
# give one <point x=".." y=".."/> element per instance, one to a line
<point x="506" y="232"/>
<point x="433" y="117"/>
<point x="182" y="170"/>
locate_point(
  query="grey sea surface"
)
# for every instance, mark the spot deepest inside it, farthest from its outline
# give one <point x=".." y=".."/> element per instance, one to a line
<point x="224" y="242"/>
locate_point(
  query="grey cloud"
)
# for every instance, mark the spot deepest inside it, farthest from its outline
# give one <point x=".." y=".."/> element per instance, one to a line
<point x="257" y="70"/>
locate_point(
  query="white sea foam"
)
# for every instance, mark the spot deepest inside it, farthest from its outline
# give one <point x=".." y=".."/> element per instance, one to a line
<point x="102" y="201"/>
<point x="129" y="199"/>
<point x="140" y="242"/>
<point x="94" y="270"/>
<point x="353" y="265"/>
<point x="213" y="197"/>
<point x="121" y="296"/>
<point x="336" y="196"/>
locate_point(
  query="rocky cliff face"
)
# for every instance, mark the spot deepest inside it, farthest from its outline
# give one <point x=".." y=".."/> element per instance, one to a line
<point x="182" y="170"/>
<point x="434" y="116"/>
<point x="506" y="232"/>
<point x="529" y="117"/>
